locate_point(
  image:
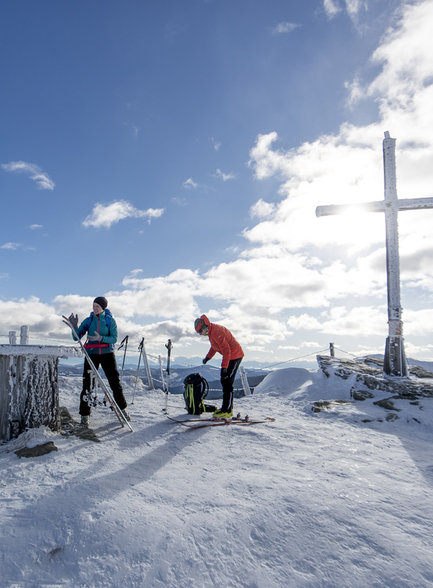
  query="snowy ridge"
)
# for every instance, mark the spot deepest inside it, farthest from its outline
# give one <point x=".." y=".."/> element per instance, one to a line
<point x="314" y="499"/>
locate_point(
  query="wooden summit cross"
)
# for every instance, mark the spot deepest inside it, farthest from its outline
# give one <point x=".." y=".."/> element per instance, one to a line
<point x="394" y="359"/>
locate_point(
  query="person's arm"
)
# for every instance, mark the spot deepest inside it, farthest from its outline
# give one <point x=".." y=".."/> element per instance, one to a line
<point x="223" y="347"/>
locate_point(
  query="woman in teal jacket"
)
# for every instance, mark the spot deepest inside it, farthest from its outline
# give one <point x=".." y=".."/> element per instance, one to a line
<point x="101" y="329"/>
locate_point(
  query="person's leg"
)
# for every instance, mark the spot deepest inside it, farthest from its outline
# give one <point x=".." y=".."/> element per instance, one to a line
<point x="227" y="384"/>
<point x="84" y="405"/>
<point x="109" y="365"/>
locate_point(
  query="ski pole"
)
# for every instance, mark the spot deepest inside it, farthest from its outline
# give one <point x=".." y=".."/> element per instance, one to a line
<point x="124" y="341"/>
<point x="140" y="347"/>
<point x="169" y="346"/>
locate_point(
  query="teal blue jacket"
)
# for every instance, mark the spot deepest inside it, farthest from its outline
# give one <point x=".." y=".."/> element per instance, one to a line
<point x="97" y="323"/>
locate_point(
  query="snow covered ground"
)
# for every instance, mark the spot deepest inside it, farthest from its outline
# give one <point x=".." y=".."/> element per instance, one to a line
<point x="342" y="497"/>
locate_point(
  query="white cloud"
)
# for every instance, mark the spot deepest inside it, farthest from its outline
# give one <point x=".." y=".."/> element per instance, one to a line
<point x="343" y="321"/>
<point x="262" y="209"/>
<point x="419" y="322"/>
<point x="105" y="215"/>
<point x="179" y="201"/>
<point x="304" y="321"/>
<point x="224" y="177"/>
<point x="284" y="27"/>
<point x="42" y="318"/>
<point x="332" y="8"/>
<point x="11" y="246"/>
<point x="405" y="58"/>
<point x="215" y="144"/>
<point x="189" y="183"/>
<point x="42" y="179"/>
<point x="35" y="226"/>
<point x="169" y="296"/>
<point x="355" y="92"/>
<point x="352" y="7"/>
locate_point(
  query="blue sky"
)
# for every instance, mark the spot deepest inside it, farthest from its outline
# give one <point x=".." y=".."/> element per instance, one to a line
<point x="170" y="155"/>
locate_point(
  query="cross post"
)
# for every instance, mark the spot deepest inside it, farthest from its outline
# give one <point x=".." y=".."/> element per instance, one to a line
<point x="394" y="358"/>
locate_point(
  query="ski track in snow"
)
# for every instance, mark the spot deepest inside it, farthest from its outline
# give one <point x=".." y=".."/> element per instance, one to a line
<point x="308" y="500"/>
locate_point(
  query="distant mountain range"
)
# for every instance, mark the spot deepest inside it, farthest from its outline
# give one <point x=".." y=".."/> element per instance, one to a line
<point x="179" y="372"/>
<point x="177" y="376"/>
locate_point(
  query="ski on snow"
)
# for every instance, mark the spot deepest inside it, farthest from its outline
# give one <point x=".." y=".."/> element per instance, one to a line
<point x="215" y="422"/>
<point x="110" y="399"/>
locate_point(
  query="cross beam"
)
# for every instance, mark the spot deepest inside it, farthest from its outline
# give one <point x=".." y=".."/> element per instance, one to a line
<point x="394" y="359"/>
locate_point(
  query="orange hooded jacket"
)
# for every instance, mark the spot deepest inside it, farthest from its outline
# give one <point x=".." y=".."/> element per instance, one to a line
<point x="222" y="341"/>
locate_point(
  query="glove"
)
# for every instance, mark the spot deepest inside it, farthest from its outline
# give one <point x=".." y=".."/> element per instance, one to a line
<point x="73" y="320"/>
<point x="224" y="373"/>
<point x="96" y="337"/>
<point x="206" y="359"/>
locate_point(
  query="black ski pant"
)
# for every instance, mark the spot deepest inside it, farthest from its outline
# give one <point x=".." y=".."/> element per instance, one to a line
<point x="227" y="384"/>
<point x="108" y="363"/>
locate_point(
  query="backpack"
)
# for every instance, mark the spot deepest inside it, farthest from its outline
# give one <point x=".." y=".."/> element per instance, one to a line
<point x="108" y="317"/>
<point x="196" y="389"/>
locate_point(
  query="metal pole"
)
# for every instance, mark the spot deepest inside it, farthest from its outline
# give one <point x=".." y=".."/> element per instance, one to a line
<point x="161" y="371"/>
<point x="244" y="380"/>
<point x="124" y="341"/>
<point x="146" y="365"/>
<point x="138" y="368"/>
<point x="164" y="385"/>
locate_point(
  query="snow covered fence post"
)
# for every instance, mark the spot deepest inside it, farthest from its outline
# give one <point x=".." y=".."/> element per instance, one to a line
<point x="24" y="335"/>
<point x="331" y="350"/>
<point x="12" y="337"/>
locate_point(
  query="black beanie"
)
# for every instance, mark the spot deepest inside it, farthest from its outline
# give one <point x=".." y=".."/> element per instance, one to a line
<point x="101" y="301"/>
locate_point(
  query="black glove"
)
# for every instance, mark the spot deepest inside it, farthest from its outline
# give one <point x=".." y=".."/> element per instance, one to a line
<point x="206" y="359"/>
<point x="73" y="320"/>
<point x="224" y="373"/>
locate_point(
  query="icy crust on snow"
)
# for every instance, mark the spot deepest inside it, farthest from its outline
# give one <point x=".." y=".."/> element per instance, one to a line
<point x="310" y="500"/>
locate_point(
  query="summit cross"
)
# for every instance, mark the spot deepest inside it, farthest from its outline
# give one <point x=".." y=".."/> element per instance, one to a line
<point x="394" y="358"/>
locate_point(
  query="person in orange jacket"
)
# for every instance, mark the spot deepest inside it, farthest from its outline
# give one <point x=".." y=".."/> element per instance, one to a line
<point x="222" y="341"/>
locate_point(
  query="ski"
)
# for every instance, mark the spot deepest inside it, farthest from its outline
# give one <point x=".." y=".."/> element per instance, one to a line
<point x="204" y="419"/>
<point x="112" y="403"/>
<point x="227" y="423"/>
<point x="215" y="422"/>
